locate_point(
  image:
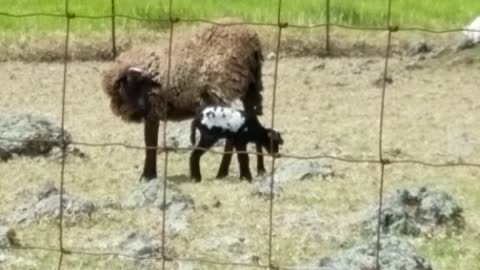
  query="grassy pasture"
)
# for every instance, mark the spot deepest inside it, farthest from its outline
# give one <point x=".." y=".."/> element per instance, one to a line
<point x="418" y="120"/>
<point x="428" y="13"/>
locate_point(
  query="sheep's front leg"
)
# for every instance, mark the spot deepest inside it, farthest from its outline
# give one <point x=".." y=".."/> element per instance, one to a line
<point x="243" y="161"/>
<point x="151" y="140"/>
<point x="260" y="163"/>
<point x="204" y="143"/>
<point x="226" y="159"/>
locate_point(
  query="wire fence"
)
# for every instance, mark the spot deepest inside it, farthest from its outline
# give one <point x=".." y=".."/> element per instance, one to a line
<point x="382" y="162"/>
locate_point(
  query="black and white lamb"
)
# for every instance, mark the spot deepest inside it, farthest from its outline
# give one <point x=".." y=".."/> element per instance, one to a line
<point x="241" y="128"/>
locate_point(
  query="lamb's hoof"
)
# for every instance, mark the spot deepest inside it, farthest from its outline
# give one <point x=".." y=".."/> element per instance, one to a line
<point x="221" y="175"/>
<point x="248" y="178"/>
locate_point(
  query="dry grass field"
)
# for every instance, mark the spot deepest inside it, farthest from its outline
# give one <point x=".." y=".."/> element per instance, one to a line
<point x="327" y="106"/>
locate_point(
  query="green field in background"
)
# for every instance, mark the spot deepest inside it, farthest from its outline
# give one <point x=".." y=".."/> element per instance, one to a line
<point x="436" y="14"/>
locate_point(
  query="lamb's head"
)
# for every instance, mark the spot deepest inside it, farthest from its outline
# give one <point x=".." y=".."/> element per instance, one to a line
<point x="130" y="93"/>
<point x="273" y="141"/>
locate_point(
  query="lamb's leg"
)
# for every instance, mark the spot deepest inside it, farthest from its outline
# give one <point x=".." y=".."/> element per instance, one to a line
<point x="226" y="159"/>
<point x="252" y="104"/>
<point x="243" y="161"/>
<point x="205" y="143"/>
<point x="260" y="163"/>
<point x="151" y="140"/>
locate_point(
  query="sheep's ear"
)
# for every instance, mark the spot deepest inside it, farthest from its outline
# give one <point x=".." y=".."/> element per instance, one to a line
<point x="134" y="74"/>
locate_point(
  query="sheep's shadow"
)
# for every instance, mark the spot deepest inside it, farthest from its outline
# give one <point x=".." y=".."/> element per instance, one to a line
<point x="185" y="179"/>
<point x="180" y="178"/>
<point x="175" y="179"/>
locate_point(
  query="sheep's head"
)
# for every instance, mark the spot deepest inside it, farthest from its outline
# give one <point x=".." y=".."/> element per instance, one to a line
<point x="273" y="142"/>
<point x="130" y="94"/>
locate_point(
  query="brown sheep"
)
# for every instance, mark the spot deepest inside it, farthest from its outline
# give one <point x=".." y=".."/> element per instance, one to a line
<point x="217" y="66"/>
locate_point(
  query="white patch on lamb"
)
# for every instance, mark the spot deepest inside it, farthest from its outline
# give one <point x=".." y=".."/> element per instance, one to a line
<point x="474" y="26"/>
<point x="139" y="70"/>
<point x="221" y="117"/>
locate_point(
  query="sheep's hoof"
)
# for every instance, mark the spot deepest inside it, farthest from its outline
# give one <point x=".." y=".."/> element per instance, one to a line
<point x="196" y="179"/>
<point x="261" y="172"/>
<point x="247" y="177"/>
<point x="146" y="178"/>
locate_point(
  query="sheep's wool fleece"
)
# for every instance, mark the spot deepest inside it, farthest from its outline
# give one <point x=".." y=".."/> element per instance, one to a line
<point x="474" y="26"/>
<point x="222" y="117"/>
<point x="201" y="68"/>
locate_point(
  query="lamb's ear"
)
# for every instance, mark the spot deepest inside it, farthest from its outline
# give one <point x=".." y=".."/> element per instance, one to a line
<point x="134" y="74"/>
<point x="274" y="135"/>
<point x="280" y="139"/>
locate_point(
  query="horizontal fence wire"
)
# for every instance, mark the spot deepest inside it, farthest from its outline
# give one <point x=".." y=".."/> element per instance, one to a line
<point x="184" y="150"/>
<point x="90" y="253"/>
<point x="212" y="22"/>
<point x="328" y="25"/>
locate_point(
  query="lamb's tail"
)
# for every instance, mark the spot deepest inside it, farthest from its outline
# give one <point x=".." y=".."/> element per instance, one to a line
<point x="193" y="129"/>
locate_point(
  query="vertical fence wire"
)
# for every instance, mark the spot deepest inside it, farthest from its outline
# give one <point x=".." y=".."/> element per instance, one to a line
<point x="327" y="27"/>
<point x="164" y="133"/>
<point x="62" y="136"/>
<point x="114" y="35"/>
<point x="383" y="162"/>
<point x="280" y="25"/>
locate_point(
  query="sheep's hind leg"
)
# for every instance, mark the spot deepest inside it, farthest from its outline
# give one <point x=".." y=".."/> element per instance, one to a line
<point x="226" y="159"/>
<point x="260" y="162"/>
<point x="243" y="160"/>
<point x="151" y="140"/>
<point x="204" y="143"/>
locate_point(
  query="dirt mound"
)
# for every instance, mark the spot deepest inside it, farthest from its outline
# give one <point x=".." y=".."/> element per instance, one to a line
<point x="415" y="212"/>
<point x="45" y="206"/>
<point x="394" y="254"/>
<point x="178" y="206"/>
<point x="150" y="195"/>
<point x="134" y="244"/>
<point x="291" y="170"/>
<point x="31" y="135"/>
